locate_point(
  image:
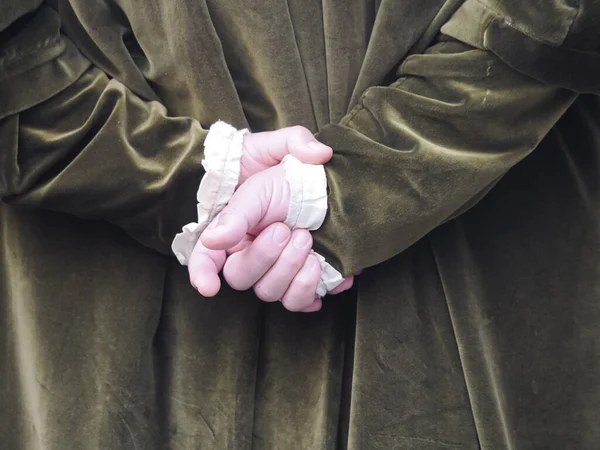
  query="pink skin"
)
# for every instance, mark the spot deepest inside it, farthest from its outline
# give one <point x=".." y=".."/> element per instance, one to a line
<point x="271" y="261"/>
<point x="267" y="149"/>
<point x="248" y="240"/>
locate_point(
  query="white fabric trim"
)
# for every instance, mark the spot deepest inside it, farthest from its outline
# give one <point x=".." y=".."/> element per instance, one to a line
<point x="308" y="208"/>
<point x="330" y="278"/>
<point x="308" y="194"/>
<point x="223" y="148"/>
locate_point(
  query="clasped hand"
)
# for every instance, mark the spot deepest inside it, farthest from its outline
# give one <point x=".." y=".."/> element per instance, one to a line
<point x="248" y="240"/>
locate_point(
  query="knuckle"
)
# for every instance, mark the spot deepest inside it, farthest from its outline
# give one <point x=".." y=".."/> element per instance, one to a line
<point x="296" y="304"/>
<point x="300" y="131"/>
<point x="234" y="280"/>
<point x="264" y="293"/>
<point x="264" y="254"/>
<point x="305" y="283"/>
<point x="297" y="128"/>
<point x="292" y="260"/>
<point x="305" y="235"/>
<point x="298" y="247"/>
<point x="237" y="276"/>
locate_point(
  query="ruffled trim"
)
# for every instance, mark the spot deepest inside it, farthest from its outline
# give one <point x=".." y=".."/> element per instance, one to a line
<point x="308" y="208"/>
<point x="308" y="194"/>
<point x="330" y="278"/>
<point x="223" y="148"/>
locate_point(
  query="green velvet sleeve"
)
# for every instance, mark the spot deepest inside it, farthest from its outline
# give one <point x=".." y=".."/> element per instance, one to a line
<point x="73" y="140"/>
<point x="414" y="154"/>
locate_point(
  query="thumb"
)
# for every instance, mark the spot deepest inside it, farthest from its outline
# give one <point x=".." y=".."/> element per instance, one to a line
<point x="262" y="200"/>
<point x="204" y="267"/>
<point x="272" y="146"/>
<point x="302" y="145"/>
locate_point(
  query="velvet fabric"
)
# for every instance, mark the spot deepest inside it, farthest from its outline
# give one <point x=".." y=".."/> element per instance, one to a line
<point x="464" y="181"/>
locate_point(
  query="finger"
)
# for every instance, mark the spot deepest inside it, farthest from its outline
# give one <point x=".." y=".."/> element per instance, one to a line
<point x="311" y="152"/>
<point x="315" y="306"/>
<point x="276" y="281"/>
<point x="229" y="228"/>
<point x="302" y="291"/>
<point x="243" y="269"/>
<point x="244" y="244"/>
<point x="272" y="146"/>
<point x="204" y="267"/>
<point x="344" y="286"/>
<point x="260" y="201"/>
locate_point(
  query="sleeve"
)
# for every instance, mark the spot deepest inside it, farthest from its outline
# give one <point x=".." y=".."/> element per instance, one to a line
<point x="415" y="154"/>
<point x="73" y="140"/>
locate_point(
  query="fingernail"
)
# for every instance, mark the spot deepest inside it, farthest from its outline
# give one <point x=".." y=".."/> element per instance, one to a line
<point x="280" y="234"/>
<point x="300" y="240"/>
<point x="317" y="146"/>
<point x="310" y="263"/>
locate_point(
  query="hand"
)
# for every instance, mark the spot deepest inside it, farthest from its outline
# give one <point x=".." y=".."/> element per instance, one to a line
<point x="279" y="269"/>
<point x="205" y="264"/>
<point x="277" y="262"/>
<point x="267" y="149"/>
<point x="262" y="200"/>
<point x="260" y="151"/>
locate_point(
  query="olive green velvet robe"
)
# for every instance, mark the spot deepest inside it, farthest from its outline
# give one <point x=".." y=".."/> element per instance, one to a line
<point x="476" y="322"/>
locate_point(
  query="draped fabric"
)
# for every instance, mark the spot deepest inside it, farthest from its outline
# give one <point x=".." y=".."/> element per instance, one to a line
<point x="464" y="181"/>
